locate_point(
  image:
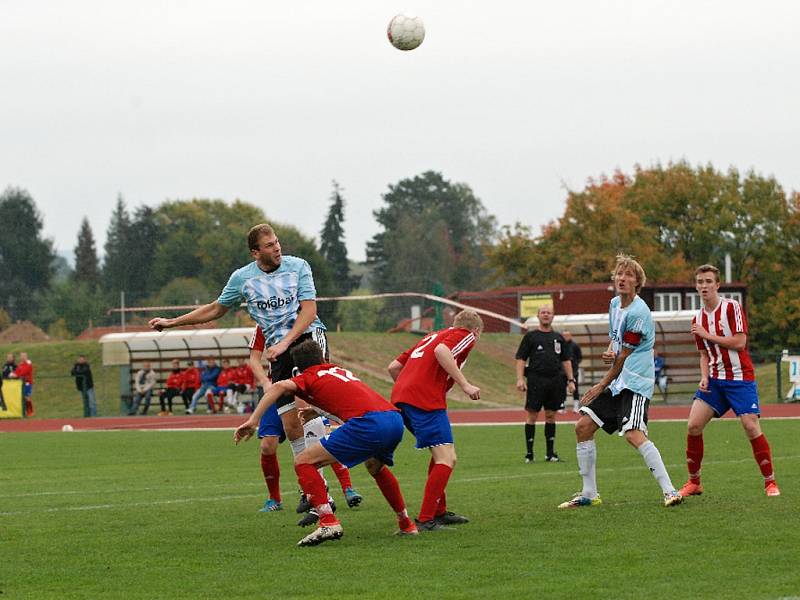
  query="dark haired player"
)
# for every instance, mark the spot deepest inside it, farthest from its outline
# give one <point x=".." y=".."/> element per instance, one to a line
<point x="371" y="430"/>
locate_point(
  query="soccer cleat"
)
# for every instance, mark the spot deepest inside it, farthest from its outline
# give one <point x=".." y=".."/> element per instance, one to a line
<point x="672" y="498"/>
<point x="304" y="505"/>
<point x="432" y="525"/>
<point x="353" y="497"/>
<point x="691" y="489"/>
<point x="528" y="458"/>
<point x="450" y="518"/>
<point x="553" y="458"/>
<point x="271" y="506"/>
<point x="311" y="517"/>
<point x="580" y="500"/>
<point x="322" y="534"/>
<point x="772" y="489"/>
<point x="409" y="529"/>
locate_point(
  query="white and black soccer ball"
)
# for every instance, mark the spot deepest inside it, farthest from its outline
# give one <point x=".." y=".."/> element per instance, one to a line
<point x="405" y="32"/>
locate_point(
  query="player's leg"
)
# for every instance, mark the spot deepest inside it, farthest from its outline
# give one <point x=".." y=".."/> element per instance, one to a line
<point x="530" y="431"/>
<point x="699" y="416"/>
<point x="306" y="465"/>
<point x="390" y="488"/>
<point x="443" y="461"/>
<point x="553" y="401"/>
<point x="313" y="432"/>
<point x="633" y="413"/>
<point x="270" y="432"/>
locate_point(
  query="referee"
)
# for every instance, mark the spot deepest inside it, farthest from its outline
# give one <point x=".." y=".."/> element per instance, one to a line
<point x="541" y="355"/>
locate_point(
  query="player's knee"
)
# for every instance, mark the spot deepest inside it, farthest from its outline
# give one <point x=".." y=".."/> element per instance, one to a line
<point x="373" y="466"/>
<point x="583" y="429"/>
<point x="694" y="429"/>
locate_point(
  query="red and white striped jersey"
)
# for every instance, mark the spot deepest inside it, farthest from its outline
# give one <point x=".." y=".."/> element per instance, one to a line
<point x="726" y="320"/>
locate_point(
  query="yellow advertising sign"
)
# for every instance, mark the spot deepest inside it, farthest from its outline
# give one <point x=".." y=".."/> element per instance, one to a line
<point x="529" y="304"/>
<point x="11" y="399"/>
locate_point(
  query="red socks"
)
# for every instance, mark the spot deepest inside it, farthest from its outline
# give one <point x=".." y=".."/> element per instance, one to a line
<point x="272" y="475"/>
<point x="438" y="476"/>
<point x="342" y="474"/>
<point x="390" y="489"/>
<point x="314" y="488"/>
<point x="763" y="456"/>
<point x="694" y="456"/>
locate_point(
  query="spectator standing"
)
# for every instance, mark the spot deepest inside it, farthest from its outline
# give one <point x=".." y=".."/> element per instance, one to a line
<point x="173" y="388"/>
<point x="82" y="373"/>
<point x="24" y="371"/>
<point x="143" y="383"/>
<point x="540" y="358"/>
<point x="208" y="381"/>
<point x="577" y="356"/>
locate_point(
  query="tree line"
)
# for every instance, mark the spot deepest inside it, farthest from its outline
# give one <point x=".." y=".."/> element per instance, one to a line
<point x="434" y="236"/>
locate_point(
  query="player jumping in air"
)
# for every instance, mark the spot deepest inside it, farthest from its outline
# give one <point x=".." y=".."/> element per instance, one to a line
<point x="727" y="380"/>
<point x="372" y="428"/>
<point x="619" y="402"/>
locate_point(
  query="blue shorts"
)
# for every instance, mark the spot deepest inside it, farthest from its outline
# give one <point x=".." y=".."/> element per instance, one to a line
<point x="430" y="427"/>
<point x="373" y="435"/>
<point x="271" y="424"/>
<point x="724" y="394"/>
<point x="27" y="390"/>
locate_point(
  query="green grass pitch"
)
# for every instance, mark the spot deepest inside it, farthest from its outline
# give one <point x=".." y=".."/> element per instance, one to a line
<point x="175" y="515"/>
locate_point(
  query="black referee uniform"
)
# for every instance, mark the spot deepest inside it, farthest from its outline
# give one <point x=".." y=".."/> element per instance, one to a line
<point x="543" y="351"/>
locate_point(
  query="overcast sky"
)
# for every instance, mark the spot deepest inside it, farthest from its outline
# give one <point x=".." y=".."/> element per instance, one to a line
<point x="270" y="101"/>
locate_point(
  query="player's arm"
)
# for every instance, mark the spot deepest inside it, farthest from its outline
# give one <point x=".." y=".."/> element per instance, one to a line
<point x="737" y="341"/>
<point x="444" y="355"/>
<point x="703" y="385"/>
<point x="570" y="375"/>
<point x="520" y="368"/>
<point x="394" y="369"/>
<point x="611" y="375"/>
<point x="246" y="430"/>
<point x="203" y="314"/>
<point x="305" y="316"/>
<point x="259" y="373"/>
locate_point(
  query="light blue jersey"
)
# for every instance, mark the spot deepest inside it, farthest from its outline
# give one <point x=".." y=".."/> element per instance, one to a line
<point x="632" y="327"/>
<point x="273" y="299"/>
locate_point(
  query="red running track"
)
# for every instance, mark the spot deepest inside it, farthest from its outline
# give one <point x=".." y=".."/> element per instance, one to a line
<point x="460" y="417"/>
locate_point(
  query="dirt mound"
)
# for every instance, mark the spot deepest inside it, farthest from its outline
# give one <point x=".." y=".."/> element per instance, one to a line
<point x="23" y="331"/>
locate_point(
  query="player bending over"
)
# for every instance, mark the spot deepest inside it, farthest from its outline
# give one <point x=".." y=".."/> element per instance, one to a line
<point x="372" y="428"/>
<point x="619" y="402"/>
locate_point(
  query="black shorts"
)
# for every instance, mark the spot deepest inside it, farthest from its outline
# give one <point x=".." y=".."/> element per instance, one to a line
<point x="623" y="412"/>
<point x="283" y="367"/>
<point x="547" y="392"/>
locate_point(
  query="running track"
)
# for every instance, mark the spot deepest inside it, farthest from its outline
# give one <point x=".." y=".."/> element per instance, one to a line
<point x="457" y="417"/>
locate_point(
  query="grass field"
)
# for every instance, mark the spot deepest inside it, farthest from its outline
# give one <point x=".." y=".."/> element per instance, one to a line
<point x="490" y="366"/>
<point x="174" y="515"/>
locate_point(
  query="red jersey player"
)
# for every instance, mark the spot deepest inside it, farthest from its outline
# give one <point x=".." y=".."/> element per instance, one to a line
<point x="727" y="380"/>
<point x="371" y="430"/>
<point x="423" y="374"/>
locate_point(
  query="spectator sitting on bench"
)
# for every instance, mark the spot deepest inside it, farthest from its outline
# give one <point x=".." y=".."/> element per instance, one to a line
<point x="173" y="388"/>
<point x="226" y="385"/>
<point x="208" y="380"/>
<point x="661" y="372"/>
<point x="190" y="383"/>
<point x="143" y="383"/>
<point x="245" y="382"/>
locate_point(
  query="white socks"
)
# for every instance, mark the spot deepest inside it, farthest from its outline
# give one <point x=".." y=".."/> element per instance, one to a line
<point x="587" y="458"/>
<point x="652" y="458"/>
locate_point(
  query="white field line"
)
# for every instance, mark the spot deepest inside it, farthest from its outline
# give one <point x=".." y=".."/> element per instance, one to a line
<point x="150" y="503"/>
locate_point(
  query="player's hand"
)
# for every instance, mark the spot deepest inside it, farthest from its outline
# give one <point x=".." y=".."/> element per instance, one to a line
<point x="160" y="323"/>
<point x="473" y="391"/>
<point x="244" y="432"/>
<point x="521" y="385"/>
<point x="703" y="386"/>
<point x="274" y="351"/>
<point x="608" y="357"/>
<point x="699" y="331"/>
<point x="591" y="394"/>
<point x="307" y="414"/>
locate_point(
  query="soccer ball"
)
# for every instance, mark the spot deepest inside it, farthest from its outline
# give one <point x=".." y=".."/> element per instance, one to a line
<point x="67" y="428"/>
<point x="405" y="32"/>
